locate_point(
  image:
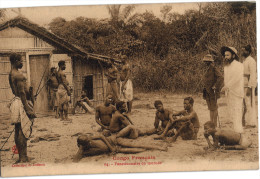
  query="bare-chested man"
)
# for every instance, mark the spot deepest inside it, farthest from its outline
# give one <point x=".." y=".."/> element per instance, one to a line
<point x="20" y="108"/>
<point x="81" y="101"/>
<point x="119" y="120"/>
<point x="229" y="140"/>
<point x="126" y="86"/>
<point x="104" y="113"/>
<point x="112" y="86"/>
<point x="95" y="145"/>
<point x="53" y="85"/>
<point x="164" y="116"/>
<point x="187" y="125"/>
<point x="64" y="91"/>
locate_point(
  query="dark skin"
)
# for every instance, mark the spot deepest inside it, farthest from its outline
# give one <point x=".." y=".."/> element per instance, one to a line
<point x="124" y="77"/>
<point x="112" y="73"/>
<point x="227" y="139"/>
<point x="53" y="84"/>
<point x="89" y="146"/>
<point x="187" y="114"/>
<point x="119" y="121"/>
<point x="19" y="87"/>
<point x="52" y="81"/>
<point x="80" y="103"/>
<point x="63" y="81"/>
<point x="164" y="116"/>
<point x="104" y="113"/>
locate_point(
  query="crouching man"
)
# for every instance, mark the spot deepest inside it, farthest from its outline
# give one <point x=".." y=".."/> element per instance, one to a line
<point x="186" y="125"/>
<point x="229" y="140"/>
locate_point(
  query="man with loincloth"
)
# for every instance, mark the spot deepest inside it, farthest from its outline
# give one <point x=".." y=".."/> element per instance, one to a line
<point x="112" y="76"/>
<point x="213" y="81"/>
<point x="95" y="145"/>
<point x="250" y="82"/>
<point x="81" y="101"/>
<point x="126" y="85"/>
<point x="64" y="91"/>
<point x="187" y="125"/>
<point x="53" y="84"/>
<point x="104" y="113"/>
<point x="22" y="114"/>
<point x="229" y="140"/>
<point x="164" y="116"/>
<point x="233" y="86"/>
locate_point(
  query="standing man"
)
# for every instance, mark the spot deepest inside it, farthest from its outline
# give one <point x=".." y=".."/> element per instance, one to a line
<point x="213" y="81"/>
<point x="22" y="114"/>
<point x="112" y="87"/>
<point x="53" y="88"/>
<point x="249" y="86"/>
<point x="126" y="85"/>
<point x="64" y="91"/>
<point x="233" y="86"/>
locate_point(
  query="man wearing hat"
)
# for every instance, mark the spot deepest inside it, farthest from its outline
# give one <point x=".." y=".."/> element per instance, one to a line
<point x="213" y="82"/>
<point x="233" y="86"/>
<point x="250" y="82"/>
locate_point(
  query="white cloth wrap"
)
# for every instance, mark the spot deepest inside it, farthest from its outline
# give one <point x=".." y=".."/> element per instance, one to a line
<point x="127" y="94"/>
<point x="18" y="115"/>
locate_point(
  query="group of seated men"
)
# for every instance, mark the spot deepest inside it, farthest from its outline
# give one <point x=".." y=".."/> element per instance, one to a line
<point x="118" y="133"/>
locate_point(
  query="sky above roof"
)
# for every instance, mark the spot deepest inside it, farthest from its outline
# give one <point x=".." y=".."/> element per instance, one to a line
<point x="44" y="15"/>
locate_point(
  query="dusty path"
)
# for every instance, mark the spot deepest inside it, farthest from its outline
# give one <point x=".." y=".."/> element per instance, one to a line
<point x="61" y="148"/>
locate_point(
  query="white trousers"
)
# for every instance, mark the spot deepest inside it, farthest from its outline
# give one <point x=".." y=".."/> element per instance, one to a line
<point x="250" y="116"/>
<point x="235" y="104"/>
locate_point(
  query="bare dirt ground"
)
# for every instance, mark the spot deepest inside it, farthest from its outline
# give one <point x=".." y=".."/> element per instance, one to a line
<point x="61" y="148"/>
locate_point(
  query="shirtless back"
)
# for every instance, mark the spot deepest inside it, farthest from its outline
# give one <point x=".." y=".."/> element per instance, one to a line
<point x="228" y="139"/>
<point x="53" y="81"/>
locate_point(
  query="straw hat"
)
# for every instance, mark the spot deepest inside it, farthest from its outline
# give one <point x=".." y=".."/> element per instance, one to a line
<point x="230" y="49"/>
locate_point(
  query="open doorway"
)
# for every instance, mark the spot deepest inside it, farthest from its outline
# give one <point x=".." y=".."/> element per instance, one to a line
<point x="88" y="86"/>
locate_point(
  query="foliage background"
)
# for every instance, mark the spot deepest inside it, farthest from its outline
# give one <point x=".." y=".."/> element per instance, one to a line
<point x="165" y="51"/>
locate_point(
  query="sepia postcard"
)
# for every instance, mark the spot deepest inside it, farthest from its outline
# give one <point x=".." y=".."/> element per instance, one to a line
<point x="128" y="88"/>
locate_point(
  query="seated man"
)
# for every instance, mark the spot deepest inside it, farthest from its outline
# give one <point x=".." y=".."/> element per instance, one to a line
<point x="104" y="113"/>
<point x="229" y="140"/>
<point x="119" y="120"/>
<point x="80" y="103"/>
<point x="89" y="146"/>
<point x="164" y="116"/>
<point x="187" y="125"/>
